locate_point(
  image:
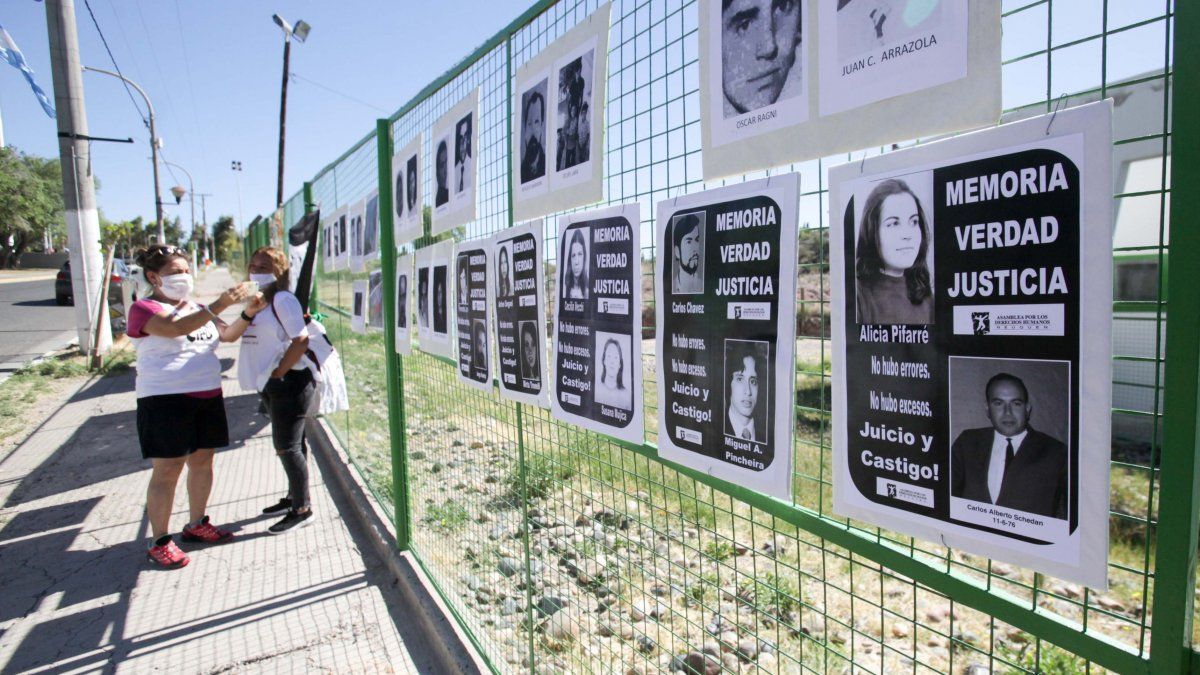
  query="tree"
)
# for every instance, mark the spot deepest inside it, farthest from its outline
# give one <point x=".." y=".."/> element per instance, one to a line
<point x="31" y="202"/>
<point x="225" y="239"/>
<point x="125" y="235"/>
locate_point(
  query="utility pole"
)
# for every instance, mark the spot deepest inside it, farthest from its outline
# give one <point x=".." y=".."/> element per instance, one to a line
<point x="79" y="191"/>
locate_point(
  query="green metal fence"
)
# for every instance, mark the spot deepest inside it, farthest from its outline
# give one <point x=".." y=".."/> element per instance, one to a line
<point x="562" y="550"/>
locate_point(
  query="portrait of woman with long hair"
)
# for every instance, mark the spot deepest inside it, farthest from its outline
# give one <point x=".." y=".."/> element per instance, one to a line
<point x="892" y="258"/>
<point x="575" y="267"/>
<point x="612" y="383"/>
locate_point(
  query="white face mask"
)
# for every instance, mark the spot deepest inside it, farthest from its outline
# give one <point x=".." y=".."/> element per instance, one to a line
<point x="263" y="280"/>
<point x="176" y="286"/>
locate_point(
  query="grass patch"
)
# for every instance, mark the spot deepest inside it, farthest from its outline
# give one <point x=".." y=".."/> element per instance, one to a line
<point x="450" y="515"/>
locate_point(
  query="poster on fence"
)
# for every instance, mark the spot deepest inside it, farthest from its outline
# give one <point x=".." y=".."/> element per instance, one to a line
<point x="433" y="299"/>
<point x="358" y="306"/>
<point x="328" y="247"/>
<point x="404" y="272"/>
<point x="471" y="315"/>
<point x="406" y="192"/>
<point x="335" y="254"/>
<point x="558" y="121"/>
<point x="455" y="143"/>
<point x="375" y="301"/>
<point x="792" y="80"/>
<point x="520" y="314"/>
<point x="356" y="224"/>
<point x="370" y="245"/>
<point x="598" y="322"/>
<point x="725" y="299"/>
<point x="971" y="330"/>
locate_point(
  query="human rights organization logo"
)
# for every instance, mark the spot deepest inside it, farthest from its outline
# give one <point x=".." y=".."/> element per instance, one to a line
<point x="981" y="322"/>
<point x="891" y="490"/>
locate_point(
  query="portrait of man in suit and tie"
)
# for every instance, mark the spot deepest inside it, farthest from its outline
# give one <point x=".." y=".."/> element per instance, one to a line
<point x="1010" y="463"/>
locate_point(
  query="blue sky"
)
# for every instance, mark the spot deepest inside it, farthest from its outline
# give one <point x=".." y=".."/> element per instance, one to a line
<point x="212" y="68"/>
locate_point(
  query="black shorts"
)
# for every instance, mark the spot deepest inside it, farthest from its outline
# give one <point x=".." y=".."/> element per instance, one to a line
<point x="176" y="425"/>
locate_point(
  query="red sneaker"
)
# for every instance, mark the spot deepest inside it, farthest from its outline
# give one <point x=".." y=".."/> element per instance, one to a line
<point x="168" y="555"/>
<point x="206" y="533"/>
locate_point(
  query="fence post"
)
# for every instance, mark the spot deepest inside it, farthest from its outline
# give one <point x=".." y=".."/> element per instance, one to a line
<point x="396" y="422"/>
<point x="1175" y="557"/>
<point x="309" y="207"/>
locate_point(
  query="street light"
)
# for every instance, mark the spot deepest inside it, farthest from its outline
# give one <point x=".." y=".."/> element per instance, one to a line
<point x="300" y="32"/>
<point x="155" y="144"/>
<point x="178" y="192"/>
<point x="236" y="167"/>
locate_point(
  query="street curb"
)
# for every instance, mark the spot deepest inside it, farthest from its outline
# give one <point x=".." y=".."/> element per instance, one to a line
<point x="445" y="640"/>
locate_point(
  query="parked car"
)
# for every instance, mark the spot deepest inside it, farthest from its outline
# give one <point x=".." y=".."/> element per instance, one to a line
<point x="64" y="294"/>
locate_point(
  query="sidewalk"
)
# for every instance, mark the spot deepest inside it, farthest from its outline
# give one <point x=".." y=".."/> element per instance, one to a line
<point x="79" y="595"/>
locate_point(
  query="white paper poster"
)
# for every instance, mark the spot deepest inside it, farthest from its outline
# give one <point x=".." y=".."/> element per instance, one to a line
<point x="455" y="144"/>
<point x="785" y="81"/>
<point x="972" y="331"/>
<point x="433" y="299"/>
<point x="404" y="273"/>
<point x="725" y="299"/>
<point x="472" y="314"/>
<point x="597" y="327"/>
<point x="375" y="301"/>
<point x="358" y="306"/>
<point x="520" y="308"/>
<point x="406" y="196"/>
<point x="558" y="121"/>
<point x="873" y="50"/>
<point x="340" y="240"/>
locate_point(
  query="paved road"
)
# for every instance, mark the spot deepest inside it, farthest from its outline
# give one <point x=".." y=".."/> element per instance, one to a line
<point x="31" y="323"/>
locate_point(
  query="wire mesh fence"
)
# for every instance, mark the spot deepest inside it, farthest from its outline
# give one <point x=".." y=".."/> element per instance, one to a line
<point x="562" y="550"/>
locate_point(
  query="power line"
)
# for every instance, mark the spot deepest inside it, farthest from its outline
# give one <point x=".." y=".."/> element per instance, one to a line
<point x="112" y="58"/>
<point x="344" y="95"/>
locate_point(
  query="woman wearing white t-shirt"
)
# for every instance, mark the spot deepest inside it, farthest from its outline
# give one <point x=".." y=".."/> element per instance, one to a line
<point x="272" y="361"/>
<point x="180" y="410"/>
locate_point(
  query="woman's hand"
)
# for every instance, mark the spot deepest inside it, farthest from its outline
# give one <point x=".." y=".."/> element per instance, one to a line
<point x="256" y="304"/>
<point x="231" y="296"/>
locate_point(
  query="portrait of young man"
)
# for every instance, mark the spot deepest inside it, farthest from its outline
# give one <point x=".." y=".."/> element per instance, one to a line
<point x="687" y="254"/>
<point x="402" y="301"/>
<point x="442" y="173"/>
<point x="411" y="195"/>
<point x="760" y="48"/>
<point x="533" y="133"/>
<point x="462" y="155"/>
<point x="745" y="376"/>
<point x="1009" y="463"/>
<point x="439" y="299"/>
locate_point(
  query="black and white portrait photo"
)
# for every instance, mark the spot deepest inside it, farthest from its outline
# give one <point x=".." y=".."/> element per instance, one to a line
<point x="441" y="172"/>
<point x="464" y="167"/>
<point x="746" y="387"/>
<point x="423" y="297"/>
<point x="533" y="132"/>
<point x="479" y="332"/>
<point x="575" y="262"/>
<point x="761" y="53"/>
<point x="402" y="300"/>
<point x="463" y="298"/>
<point x="1010" y="421"/>
<point x="865" y="26"/>
<point x="343" y="230"/>
<point x="614" y="371"/>
<point x="530" y="350"/>
<point x="439" y="299"/>
<point x="893" y="257"/>
<point x="687" y="253"/>
<point x="574" y="129"/>
<point x="504" y="285"/>
<point x="375" y="300"/>
<point x="398" y="195"/>
<point x="371" y="227"/>
<point x="411" y="195"/>
<point x="358" y="307"/>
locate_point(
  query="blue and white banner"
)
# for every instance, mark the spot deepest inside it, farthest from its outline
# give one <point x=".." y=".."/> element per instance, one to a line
<point x="12" y="53"/>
